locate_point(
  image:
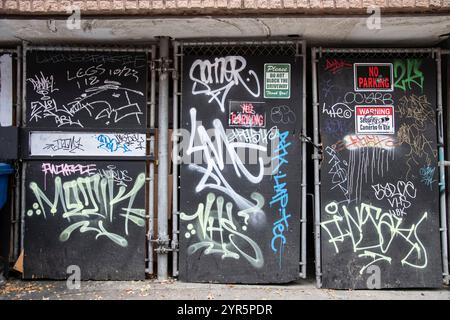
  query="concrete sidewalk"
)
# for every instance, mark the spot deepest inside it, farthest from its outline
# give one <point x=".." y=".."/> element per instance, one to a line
<point x="175" y="290"/>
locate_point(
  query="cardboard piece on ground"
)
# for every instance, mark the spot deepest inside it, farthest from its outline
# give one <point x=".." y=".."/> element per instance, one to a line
<point x="18" y="266"/>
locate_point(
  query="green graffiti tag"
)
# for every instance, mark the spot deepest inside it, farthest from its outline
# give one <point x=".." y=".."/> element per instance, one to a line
<point x="407" y="72"/>
<point x="94" y="200"/>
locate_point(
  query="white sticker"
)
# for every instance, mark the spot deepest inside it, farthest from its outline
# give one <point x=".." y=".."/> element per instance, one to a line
<point x="6" y="105"/>
<point x="374" y="119"/>
<point x="46" y="143"/>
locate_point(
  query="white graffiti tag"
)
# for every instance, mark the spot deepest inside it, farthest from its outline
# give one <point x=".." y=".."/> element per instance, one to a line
<point x="218" y="231"/>
<point x="88" y="198"/>
<point x="214" y="156"/>
<point x="398" y="195"/>
<point x="216" y="79"/>
<point x="351" y="225"/>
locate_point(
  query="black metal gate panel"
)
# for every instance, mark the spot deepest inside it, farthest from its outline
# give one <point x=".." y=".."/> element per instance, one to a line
<point x="240" y="182"/>
<point x="85" y="214"/>
<point x="85" y="175"/>
<point x="379" y="217"/>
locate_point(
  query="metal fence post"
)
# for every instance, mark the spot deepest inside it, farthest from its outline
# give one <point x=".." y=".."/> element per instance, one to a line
<point x="304" y="168"/>
<point x="24" y="124"/>
<point x="17" y="195"/>
<point x="163" y="159"/>
<point x="151" y="189"/>
<point x="316" y="170"/>
<point x="442" y="187"/>
<point x="175" y="171"/>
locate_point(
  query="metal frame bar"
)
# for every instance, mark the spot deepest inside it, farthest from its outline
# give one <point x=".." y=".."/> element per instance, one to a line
<point x="11" y="51"/>
<point x="70" y="48"/>
<point x="15" y="196"/>
<point x="151" y="195"/>
<point x="321" y="50"/>
<point x="163" y="159"/>
<point x="316" y="157"/>
<point x="442" y="184"/>
<point x="436" y="53"/>
<point x="238" y="41"/>
<point x="177" y="98"/>
<point x="447" y="163"/>
<point x="24" y="164"/>
<point x="303" y="221"/>
<point x="175" y="173"/>
<point x="22" y="120"/>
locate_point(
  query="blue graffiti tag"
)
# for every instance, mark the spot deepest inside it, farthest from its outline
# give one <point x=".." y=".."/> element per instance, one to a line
<point x="111" y="144"/>
<point x="427" y="176"/>
<point x="281" y="197"/>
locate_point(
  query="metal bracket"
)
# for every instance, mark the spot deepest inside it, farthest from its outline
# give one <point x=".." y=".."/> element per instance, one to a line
<point x="163" y="245"/>
<point x="162" y="65"/>
<point x="307" y="139"/>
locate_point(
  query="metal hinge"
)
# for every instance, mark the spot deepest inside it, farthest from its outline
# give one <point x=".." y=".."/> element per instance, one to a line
<point x="175" y="246"/>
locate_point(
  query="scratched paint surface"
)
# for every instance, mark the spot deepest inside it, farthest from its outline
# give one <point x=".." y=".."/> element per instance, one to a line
<point x="89" y="214"/>
<point x="379" y="190"/>
<point x="86" y="90"/>
<point x="241" y="171"/>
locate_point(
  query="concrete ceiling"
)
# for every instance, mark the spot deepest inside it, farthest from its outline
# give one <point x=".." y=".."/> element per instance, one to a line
<point x="413" y="31"/>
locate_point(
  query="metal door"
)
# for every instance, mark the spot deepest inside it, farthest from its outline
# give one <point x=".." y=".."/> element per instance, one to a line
<point x="242" y="185"/>
<point x="380" y="185"/>
<point x="86" y="127"/>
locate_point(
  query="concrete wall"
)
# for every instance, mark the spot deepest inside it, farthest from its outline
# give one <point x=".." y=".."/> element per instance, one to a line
<point x="222" y="7"/>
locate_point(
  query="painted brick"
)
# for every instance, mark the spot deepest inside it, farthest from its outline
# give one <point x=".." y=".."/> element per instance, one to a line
<point x="36" y="5"/>
<point x="395" y="3"/>
<point x="145" y="4"/>
<point x="11" y="5"/>
<point x="342" y="4"/>
<point x="23" y="5"/>
<point x="157" y="4"/>
<point x="355" y="3"/>
<point x="222" y="3"/>
<point x="303" y="3"/>
<point x="118" y="5"/>
<point x="80" y="4"/>
<point x="316" y="3"/>
<point x="234" y="4"/>
<point x="51" y="5"/>
<point x="131" y="4"/>
<point x="288" y="4"/>
<point x="92" y="5"/>
<point x="195" y="4"/>
<point x="435" y="3"/>
<point x="369" y="3"/>
<point x="408" y="3"/>
<point x="252" y="4"/>
<point x="208" y="4"/>
<point x="422" y="3"/>
<point x="104" y="5"/>
<point x="276" y="4"/>
<point x="221" y="7"/>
